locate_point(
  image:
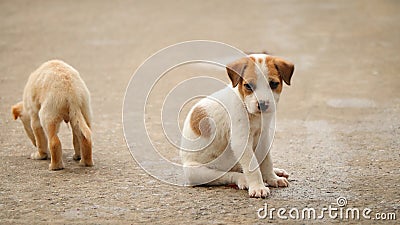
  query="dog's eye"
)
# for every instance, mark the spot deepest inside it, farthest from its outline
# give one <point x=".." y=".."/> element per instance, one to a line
<point x="249" y="87"/>
<point x="273" y="84"/>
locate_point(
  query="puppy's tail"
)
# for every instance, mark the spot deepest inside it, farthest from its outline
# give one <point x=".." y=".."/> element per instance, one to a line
<point x="81" y="121"/>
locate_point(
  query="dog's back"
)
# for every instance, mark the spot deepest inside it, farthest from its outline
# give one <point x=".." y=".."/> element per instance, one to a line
<point x="59" y="86"/>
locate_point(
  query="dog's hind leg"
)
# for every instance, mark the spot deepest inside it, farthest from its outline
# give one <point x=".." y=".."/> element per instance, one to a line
<point x="82" y="146"/>
<point x="41" y="140"/>
<point x="231" y="178"/>
<point x="52" y="127"/>
<point x="198" y="175"/>
<point x="82" y="134"/>
<point x="86" y="149"/>
<point x="77" y="146"/>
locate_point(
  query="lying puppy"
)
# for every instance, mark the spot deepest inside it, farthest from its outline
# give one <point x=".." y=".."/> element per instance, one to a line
<point x="53" y="93"/>
<point x="224" y="133"/>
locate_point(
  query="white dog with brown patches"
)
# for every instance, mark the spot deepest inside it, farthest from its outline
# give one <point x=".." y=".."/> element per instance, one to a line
<point x="226" y="136"/>
<point x="54" y="93"/>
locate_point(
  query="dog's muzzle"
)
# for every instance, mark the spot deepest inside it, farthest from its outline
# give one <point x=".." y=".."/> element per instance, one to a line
<point x="263" y="106"/>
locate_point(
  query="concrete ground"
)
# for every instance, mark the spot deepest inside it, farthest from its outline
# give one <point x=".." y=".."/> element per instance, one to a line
<point x="338" y="125"/>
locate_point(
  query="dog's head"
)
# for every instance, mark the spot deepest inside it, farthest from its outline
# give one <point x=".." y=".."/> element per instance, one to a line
<point x="255" y="76"/>
<point x="18" y="111"/>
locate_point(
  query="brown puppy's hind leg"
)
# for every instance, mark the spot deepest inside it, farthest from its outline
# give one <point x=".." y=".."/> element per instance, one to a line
<point x="86" y="148"/>
<point x="77" y="146"/>
<point x="85" y="145"/>
<point x="55" y="146"/>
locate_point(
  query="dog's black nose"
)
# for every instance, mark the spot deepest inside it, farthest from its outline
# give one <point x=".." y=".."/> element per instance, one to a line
<point x="262" y="106"/>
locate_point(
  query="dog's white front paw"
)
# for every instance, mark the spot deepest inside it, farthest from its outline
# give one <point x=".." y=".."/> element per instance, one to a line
<point x="241" y="182"/>
<point x="258" y="191"/>
<point x="38" y="156"/>
<point x="278" y="182"/>
<point x="281" y="173"/>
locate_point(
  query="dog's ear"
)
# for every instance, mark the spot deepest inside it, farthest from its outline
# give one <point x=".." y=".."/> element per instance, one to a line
<point x="285" y="69"/>
<point x="16" y="110"/>
<point x="236" y="69"/>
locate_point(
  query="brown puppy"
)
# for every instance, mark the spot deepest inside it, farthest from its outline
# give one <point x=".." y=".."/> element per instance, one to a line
<point x="54" y="93"/>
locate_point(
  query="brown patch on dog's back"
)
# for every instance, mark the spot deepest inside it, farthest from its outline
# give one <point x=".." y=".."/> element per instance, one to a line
<point x="199" y="122"/>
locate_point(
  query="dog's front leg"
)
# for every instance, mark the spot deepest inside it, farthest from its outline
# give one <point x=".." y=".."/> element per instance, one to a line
<point x="272" y="176"/>
<point x="254" y="178"/>
<point x="269" y="173"/>
<point x="40" y="137"/>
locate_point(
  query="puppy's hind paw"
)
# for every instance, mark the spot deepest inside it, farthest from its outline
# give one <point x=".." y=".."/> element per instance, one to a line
<point x="259" y="191"/>
<point x="58" y="166"/>
<point x="38" y="156"/>
<point x="86" y="163"/>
